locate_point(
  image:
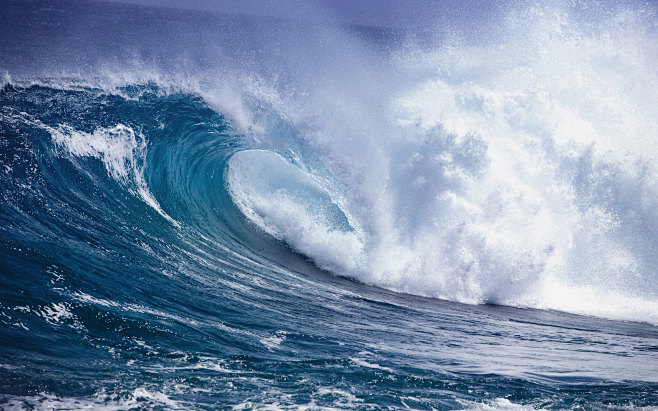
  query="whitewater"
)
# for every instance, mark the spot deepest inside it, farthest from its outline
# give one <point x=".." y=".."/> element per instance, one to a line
<point x="329" y="206"/>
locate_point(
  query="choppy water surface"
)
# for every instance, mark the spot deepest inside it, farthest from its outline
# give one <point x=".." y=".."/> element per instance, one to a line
<point x="224" y="208"/>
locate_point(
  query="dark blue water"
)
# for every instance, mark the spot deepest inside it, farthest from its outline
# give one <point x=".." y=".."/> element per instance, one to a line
<point x="169" y="242"/>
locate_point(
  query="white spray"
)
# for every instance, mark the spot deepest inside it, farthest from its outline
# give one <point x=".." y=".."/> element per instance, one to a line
<point x="519" y="170"/>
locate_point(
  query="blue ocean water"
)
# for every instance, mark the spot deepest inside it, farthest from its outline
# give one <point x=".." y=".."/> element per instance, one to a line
<point x="443" y="206"/>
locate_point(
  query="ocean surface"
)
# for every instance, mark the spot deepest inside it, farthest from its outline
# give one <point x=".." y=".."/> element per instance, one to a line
<point x="329" y="205"/>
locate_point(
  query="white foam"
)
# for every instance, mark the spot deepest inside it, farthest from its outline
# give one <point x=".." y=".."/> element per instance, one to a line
<point x="122" y="150"/>
<point x="289" y="204"/>
<point x="138" y="398"/>
<point x="519" y="170"/>
<point x="55" y="313"/>
<point x="273" y="342"/>
<point x="363" y="363"/>
<point x="495" y="404"/>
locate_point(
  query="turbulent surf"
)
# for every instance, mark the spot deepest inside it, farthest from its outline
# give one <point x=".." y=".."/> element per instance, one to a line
<point x="430" y="206"/>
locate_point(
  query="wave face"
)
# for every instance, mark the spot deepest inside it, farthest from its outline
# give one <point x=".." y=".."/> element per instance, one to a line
<point x="270" y="213"/>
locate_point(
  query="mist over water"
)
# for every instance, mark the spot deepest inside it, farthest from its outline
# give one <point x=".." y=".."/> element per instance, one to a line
<point x="504" y="157"/>
<point x="516" y="169"/>
<point x="253" y="191"/>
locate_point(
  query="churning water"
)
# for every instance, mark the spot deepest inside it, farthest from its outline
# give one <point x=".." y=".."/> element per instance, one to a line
<point x="434" y="206"/>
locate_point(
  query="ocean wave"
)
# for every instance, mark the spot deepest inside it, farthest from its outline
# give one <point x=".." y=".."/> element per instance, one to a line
<point x="329" y="215"/>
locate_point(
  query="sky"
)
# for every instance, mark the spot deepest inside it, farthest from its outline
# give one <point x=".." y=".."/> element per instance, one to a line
<point x="382" y="13"/>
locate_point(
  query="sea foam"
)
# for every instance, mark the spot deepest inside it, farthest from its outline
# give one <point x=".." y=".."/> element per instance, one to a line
<point x="519" y="171"/>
